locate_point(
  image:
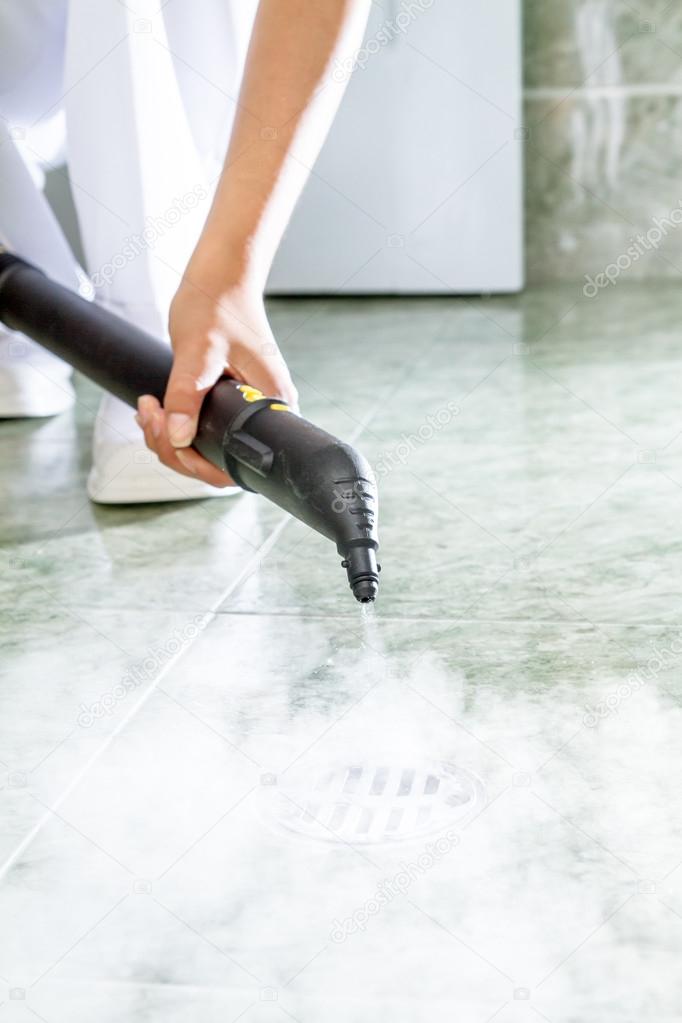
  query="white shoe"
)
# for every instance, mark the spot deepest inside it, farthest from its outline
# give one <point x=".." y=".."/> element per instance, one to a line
<point x="32" y="382"/>
<point x="125" y="471"/>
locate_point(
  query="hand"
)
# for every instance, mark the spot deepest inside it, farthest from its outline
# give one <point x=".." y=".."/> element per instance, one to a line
<point x="211" y="337"/>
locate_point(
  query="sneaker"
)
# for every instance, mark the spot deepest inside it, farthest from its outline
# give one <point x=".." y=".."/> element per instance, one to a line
<point x="125" y="471"/>
<point x="33" y="383"/>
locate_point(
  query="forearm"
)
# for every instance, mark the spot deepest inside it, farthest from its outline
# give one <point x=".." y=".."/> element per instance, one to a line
<point x="286" y="105"/>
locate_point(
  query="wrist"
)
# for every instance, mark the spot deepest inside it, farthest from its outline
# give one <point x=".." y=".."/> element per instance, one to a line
<point x="220" y="266"/>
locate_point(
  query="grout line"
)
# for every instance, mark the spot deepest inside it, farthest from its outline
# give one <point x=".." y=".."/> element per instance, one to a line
<point x="397" y="619"/>
<point x="208" y="616"/>
<point x="591" y="91"/>
<point x="146" y="985"/>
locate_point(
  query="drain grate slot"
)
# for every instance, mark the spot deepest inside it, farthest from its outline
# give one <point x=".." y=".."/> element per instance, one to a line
<point x="365" y="822"/>
<point x="379" y="782"/>
<point x="406" y="782"/>
<point x="394" y="819"/>
<point x="431" y="785"/>
<point x="353" y="779"/>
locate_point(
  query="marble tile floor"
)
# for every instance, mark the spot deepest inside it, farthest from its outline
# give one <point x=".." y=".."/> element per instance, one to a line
<point x="228" y="793"/>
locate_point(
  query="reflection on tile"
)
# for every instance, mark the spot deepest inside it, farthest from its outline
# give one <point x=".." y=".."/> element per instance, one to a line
<point x="141" y="557"/>
<point x="40" y="474"/>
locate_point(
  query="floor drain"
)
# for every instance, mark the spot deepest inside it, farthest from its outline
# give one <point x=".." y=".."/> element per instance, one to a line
<point x="375" y="802"/>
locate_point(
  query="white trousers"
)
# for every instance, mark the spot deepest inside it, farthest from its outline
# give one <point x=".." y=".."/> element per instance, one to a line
<point x="141" y="95"/>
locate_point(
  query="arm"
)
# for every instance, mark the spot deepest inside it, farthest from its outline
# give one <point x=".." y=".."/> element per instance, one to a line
<point x="217" y="320"/>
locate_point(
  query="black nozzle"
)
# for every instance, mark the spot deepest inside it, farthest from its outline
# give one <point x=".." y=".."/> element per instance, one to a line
<point x="363" y="572"/>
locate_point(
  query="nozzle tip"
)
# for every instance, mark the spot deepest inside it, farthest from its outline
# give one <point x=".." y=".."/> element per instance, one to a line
<point x="360" y="563"/>
<point x="365" y="590"/>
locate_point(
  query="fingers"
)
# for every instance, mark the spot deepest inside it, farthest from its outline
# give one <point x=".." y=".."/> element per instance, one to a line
<point x="267" y="370"/>
<point x="186" y="461"/>
<point x="194" y="372"/>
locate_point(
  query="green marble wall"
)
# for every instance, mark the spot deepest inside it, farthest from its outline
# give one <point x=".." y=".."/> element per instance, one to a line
<point x="603" y="112"/>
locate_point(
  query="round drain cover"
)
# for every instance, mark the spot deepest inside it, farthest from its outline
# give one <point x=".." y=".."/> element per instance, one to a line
<point x="373" y="802"/>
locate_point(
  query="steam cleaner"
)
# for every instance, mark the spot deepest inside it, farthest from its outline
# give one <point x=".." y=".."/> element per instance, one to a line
<point x="264" y="446"/>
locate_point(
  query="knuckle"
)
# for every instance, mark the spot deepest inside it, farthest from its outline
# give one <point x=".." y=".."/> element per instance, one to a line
<point x="192" y="382"/>
<point x="185" y="380"/>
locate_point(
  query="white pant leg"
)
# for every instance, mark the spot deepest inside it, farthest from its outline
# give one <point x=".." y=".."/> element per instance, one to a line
<point x="150" y="96"/>
<point x="28" y="226"/>
<point x="32" y="36"/>
<point x="209" y="47"/>
<point x="32" y="381"/>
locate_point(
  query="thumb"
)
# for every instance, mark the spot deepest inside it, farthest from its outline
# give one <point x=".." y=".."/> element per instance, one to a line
<point x="192" y="376"/>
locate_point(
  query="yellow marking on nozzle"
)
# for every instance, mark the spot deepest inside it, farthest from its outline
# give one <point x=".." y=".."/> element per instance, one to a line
<point x="250" y="393"/>
<point x="279" y="407"/>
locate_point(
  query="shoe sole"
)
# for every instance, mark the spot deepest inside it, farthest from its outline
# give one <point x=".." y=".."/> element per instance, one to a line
<point x="149" y="485"/>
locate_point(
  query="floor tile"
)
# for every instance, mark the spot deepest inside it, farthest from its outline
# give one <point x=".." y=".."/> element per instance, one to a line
<point x="228" y="791"/>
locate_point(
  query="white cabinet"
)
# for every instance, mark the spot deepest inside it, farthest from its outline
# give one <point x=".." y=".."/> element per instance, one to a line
<point x="419" y="186"/>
